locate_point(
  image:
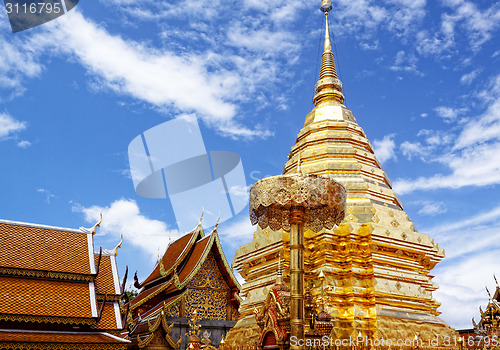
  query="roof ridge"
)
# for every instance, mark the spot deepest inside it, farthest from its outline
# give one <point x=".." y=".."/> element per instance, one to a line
<point x="48" y="227"/>
<point x="192" y="241"/>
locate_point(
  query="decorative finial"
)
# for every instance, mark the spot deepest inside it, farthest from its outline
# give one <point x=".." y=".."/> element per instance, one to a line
<point x="326" y="6"/>
<point x="202" y="213"/>
<point x="328" y="87"/>
<point x="487" y="291"/>
<point x="93" y="229"/>
<point x="115" y="251"/>
<point x="496" y="282"/>
<point x="217" y="223"/>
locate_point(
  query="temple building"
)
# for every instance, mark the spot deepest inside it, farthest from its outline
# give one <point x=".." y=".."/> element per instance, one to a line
<point x="377" y="267"/>
<point x="192" y="279"/>
<point x="486" y="332"/>
<point x="56" y="292"/>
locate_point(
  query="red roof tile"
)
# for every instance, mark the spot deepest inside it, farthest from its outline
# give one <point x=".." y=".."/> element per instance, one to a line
<point x="146" y="293"/>
<point x="171" y="256"/>
<point x="20" y="296"/>
<point x="158" y="306"/>
<point x="194" y="258"/>
<point x="39" y="248"/>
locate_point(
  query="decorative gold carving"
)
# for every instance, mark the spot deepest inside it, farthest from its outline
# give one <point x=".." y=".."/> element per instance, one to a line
<point x="173" y="311"/>
<point x="209" y="303"/>
<point x="155" y="333"/>
<point x="272" y="198"/>
<point x="274" y="315"/>
<point x="47" y="319"/>
<point x="46" y="274"/>
<point x="209" y="276"/>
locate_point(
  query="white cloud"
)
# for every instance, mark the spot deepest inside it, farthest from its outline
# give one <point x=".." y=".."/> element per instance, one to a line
<point x="431" y="208"/>
<point x="432" y="141"/>
<point x="123" y="217"/>
<point x="10" y="126"/>
<point x="470" y="77"/>
<point x="405" y="62"/>
<point x="17" y="63"/>
<point x="472" y="246"/>
<point x="487" y="126"/>
<point x="48" y="195"/>
<point x="211" y="81"/>
<point x="23" y="144"/>
<point x="476" y="24"/>
<point x="411" y="149"/>
<point x="473" y="155"/>
<point x="384" y="149"/>
<point x="238" y="231"/>
<point x="156" y="76"/>
<point x="449" y="114"/>
<point x="475" y="166"/>
<point x="462" y="287"/>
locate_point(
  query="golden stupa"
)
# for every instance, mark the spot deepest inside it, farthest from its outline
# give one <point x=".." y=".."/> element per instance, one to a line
<point x="375" y="267"/>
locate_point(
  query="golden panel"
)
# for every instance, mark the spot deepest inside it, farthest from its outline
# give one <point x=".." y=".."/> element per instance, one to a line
<point x="209" y="276"/>
<point x="208" y="303"/>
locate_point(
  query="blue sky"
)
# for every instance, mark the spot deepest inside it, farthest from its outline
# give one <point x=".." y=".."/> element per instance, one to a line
<point x="421" y="77"/>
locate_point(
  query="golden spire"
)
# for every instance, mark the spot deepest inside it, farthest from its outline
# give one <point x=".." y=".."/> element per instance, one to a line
<point x="328" y="87"/>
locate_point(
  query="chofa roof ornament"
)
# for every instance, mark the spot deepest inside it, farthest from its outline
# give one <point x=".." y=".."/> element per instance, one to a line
<point x="93" y="229"/>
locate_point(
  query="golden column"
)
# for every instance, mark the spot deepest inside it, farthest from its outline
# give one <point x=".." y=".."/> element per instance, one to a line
<point x="297" y="272"/>
<point x="295" y="203"/>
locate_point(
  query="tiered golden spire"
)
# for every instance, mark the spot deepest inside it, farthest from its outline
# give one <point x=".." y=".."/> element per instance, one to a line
<point x="328" y="87"/>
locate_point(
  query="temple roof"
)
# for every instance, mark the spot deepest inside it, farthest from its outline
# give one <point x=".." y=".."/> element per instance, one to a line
<point x="45" y="248"/>
<point x="175" y="254"/>
<point x="54" y="298"/>
<point x="170" y="279"/>
<point x="52" y="275"/>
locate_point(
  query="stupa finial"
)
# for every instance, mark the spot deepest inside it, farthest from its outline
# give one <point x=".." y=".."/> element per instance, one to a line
<point x="328" y="87"/>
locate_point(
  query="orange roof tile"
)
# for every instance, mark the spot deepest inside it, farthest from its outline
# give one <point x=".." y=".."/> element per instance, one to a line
<point x="172" y="254"/>
<point x="34" y="247"/>
<point x="23" y="336"/>
<point x="20" y="296"/>
<point x="108" y="318"/>
<point x="104" y="283"/>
